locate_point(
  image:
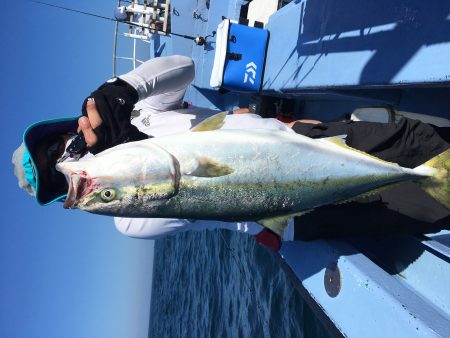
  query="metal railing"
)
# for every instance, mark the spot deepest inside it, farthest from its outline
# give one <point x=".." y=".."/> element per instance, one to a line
<point x="148" y="18"/>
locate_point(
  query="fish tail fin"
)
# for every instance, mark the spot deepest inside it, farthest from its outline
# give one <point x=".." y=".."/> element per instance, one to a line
<point x="438" y="184"/>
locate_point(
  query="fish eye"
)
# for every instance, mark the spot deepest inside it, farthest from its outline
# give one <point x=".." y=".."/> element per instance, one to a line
<point x="107" y="195"/>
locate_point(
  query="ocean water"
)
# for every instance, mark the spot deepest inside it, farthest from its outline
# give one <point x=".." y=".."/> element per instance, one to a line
<point x="222" y="284"/>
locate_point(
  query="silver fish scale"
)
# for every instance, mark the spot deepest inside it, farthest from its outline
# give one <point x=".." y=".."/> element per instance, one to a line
<point x="272" y="173"/>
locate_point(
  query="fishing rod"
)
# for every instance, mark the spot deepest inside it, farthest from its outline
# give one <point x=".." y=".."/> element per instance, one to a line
<point x="199" y="40"/>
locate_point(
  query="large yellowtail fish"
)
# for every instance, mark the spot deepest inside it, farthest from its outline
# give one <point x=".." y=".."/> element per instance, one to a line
<point x="265" y="176"/>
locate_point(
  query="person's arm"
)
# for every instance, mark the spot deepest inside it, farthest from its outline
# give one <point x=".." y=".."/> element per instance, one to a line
<point x="107" y="110"/>
<point x="151" y="228"/>
<point x="162" y="82"/>
<point x="154" y="228"/>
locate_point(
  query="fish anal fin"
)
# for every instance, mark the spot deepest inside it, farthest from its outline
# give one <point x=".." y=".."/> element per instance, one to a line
<point x="279" y="223"/>
<point x="211" y="123"/>
<point x="367" y="194"/>
<point x="208" y="167"/>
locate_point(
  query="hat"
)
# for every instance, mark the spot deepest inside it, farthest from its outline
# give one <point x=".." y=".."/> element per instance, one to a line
<point x="35" y="137"/>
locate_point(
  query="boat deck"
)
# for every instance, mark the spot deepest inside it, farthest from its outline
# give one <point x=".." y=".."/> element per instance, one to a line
<point x="370" y="288"/>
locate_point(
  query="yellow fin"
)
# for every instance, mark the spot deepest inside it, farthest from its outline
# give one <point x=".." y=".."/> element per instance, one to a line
<point x="208" y="167"/>
<point x="211" y="123"/>
<point x="340" y="141"/>
<point x="368" y="194"/>
<point x="438" y="186"/>
<point x="279" y="223"/>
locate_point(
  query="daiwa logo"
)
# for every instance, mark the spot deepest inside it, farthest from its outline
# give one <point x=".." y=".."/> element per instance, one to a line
<point x="250" y="73"/>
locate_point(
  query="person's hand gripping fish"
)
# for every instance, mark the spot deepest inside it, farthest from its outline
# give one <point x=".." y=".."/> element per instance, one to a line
<point x="86" y="136"/>
<point x="108" y="124"/>
<point x="87" y="124"/>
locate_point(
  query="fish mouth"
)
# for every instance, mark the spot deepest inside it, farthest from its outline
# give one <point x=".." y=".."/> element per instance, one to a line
<point x="79" y="186"/>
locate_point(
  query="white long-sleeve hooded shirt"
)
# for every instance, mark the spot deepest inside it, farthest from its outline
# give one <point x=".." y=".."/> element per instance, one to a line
<point x="161" y="84"/>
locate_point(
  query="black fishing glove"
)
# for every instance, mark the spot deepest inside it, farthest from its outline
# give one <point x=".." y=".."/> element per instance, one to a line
<point x="114" y="101"/>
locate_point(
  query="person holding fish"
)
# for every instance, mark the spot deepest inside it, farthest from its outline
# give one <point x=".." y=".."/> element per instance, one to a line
<point x="145" y="103"/>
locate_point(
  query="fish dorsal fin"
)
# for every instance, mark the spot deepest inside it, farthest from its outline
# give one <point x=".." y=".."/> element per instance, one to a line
<point x="340" y="141"/>
<point x="279" y="223"/>
<point x="211" y="123"/>
<point x="208" y="167"/>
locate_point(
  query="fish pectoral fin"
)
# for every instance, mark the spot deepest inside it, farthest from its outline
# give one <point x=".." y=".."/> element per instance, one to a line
<point x="279" y="223"/>
<point x="211" y="123"/>
<point x="208" y="167"/>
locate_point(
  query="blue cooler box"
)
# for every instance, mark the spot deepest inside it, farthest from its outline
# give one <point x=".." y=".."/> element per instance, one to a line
<point x="240" y="57"/>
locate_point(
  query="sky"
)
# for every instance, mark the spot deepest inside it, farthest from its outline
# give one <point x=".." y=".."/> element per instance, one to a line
<point x="63" y="273"/>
